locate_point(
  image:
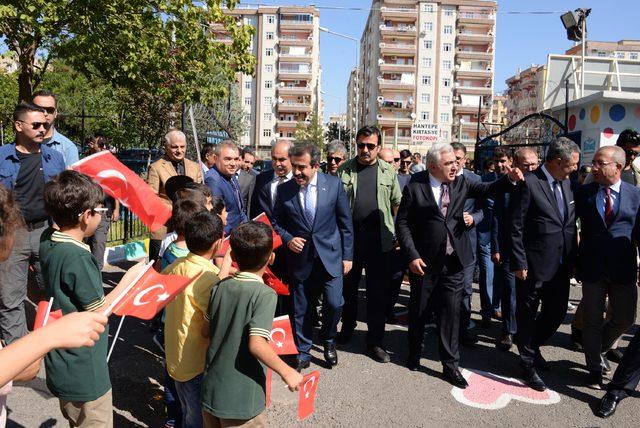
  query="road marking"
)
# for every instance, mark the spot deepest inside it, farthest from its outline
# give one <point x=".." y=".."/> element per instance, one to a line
<point x="491" y="392"/>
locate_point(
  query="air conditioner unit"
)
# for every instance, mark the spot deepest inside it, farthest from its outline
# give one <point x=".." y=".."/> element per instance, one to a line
<point x="379" y="116"/>
<point x="380" y="99"/>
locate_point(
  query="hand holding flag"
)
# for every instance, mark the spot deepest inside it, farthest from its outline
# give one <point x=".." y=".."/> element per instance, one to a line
<point x="307" y="395"/>
<point x="44" y="315"/>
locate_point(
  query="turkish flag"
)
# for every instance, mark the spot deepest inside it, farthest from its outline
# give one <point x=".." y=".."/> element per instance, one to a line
<point x="282" y="336"/>
<point x="149" y="294"/>
<point x="274" y="282"/>
<point x="44" y="314"/>
<point x="267" y="387"/>
<point x="307" y="395"/>
<point x="262" y="218"/>
<point x="121" y="183"/>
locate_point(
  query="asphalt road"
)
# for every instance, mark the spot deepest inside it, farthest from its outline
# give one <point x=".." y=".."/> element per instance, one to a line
<point x="362" y="393"/>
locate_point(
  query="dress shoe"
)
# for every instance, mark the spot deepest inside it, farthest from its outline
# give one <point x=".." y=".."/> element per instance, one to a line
<point x="454" y="377"/>
<point x="505" y="342"/>
<point x="614" y="355"/>
<point x="378" y="354"/>
<point x="330" y="354"/>
<point x="302" y="364"/>
<point x="576" y="338"/>
<point x="413" y="364"/>
<point x="594" y="380"/>
<point x="468" y="339"/>
<point x="531" y="378"/>
<point x="344" y="335"/>
<point x="540" y="362"/>
<point x="604" y="363"/>
<point x="608" y="405"/>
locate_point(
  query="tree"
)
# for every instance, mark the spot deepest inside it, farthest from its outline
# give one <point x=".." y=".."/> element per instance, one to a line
<point x="337" y="132"/>
<point x="159" y="47"/>
<point x="310" y="131"/>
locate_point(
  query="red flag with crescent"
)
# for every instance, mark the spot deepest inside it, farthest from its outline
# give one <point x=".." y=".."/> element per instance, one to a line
<point x="121" y="183"/>
<point x="307" y="395"/>
<point x="149" y="294"/>
<point x="274" y="282"/>
<point x="282" y="336"/>
<point x="262" y="218"/>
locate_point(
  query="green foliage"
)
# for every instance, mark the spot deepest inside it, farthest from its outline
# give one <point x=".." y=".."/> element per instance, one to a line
<point x="337" y="132"/>
<point x="310" y="132"/>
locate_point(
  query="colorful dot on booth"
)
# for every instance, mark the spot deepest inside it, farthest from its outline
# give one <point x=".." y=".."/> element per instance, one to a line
<point x="595" y="114"/>
<point x="572" y="122"/>
<point x="583" y="113"/>
<point x="637" y="112"/>
<point x="608" y="132"/>
<point x="617" y="112"/>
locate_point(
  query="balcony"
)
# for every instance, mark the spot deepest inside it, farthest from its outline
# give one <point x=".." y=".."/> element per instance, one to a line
<point x="398" y="30"/>
<point x="403" y="13"/>
<point x="388" y="67"/>
<point x="393" y="105"/>
<point x="396" y="85"/>
<point x="474" y="73"/>
<point x="287" y="57"/>
<point x="294" y="90"/>
<point x="465" y="54"/>
<point x="474" y="38"/>
<point x="289" y="106"/>
<point x="469" y="108"/>
<point x="289" y="124"/>
<point x="294" y="41"/>
<point x="476" y="18"/>
<point x="388" y="120"/>
<point x="472" y="90"/>
<point x="293" y="74"/>
<point x="227" y="40"/>
<point x="295" y="24"/>
<point x="397" y="48"/>
<point x="403" y="2"/>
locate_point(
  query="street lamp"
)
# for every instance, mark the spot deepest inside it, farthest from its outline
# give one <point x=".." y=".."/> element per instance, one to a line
<point x="339" y="125"/>
<point x="356" y="82"/>
<point x="576" y="25"/>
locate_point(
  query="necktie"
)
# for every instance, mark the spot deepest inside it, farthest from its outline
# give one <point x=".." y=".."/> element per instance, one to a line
<point x="282" y="179"/>
<point x="608" y="207"/>
<point x="236" y="191"/>
<point x="309" y="205"/>
<point x="444" y="207"/>
<point x="557" y="192"/>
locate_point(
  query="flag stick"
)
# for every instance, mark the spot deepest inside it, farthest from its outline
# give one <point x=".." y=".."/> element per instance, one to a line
<point x="46" y="315"/>
<point x="118" y="299"/>
<point x="115" y="338"/>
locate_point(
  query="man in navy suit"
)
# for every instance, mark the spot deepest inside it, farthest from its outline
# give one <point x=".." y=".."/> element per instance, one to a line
<point x="267" y="182"/>
<point x="313" y="217"/>
<point x="543" y="244"/>
<point x="609" y="212"/>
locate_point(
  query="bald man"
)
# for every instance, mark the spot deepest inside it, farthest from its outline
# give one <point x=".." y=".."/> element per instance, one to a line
<point x="386" y="155"/>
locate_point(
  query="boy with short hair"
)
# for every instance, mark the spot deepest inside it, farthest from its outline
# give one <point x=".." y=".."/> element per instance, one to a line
<point x="241" y="316"/>
<point x="185" y="322"/>
<point x="78" y="377"/>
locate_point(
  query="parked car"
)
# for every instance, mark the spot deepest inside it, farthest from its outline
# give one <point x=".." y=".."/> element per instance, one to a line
<point x="262" y="165"/>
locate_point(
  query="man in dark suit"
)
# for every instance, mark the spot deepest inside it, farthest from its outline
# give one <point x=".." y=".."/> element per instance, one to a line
<point x="543" y="243"/>
<point x="472" y="215"/>
<point x="246" y="179"/>
<point x="313" y="217"/>
<point x="432" y="233"/>
<point x="526" y="160"/>
<point x="267" y="182"/>
<point x="609" y="210"/>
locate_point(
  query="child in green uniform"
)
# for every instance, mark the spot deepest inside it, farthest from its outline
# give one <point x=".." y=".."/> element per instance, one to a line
<point x="241" y="315"/>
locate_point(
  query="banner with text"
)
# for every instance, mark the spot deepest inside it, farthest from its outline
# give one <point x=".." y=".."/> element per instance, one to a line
<point x="424" y="133"/>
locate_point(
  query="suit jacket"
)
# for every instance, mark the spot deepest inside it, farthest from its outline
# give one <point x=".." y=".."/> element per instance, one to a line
<point x="225" y="187"/>
<point x="162" y="169"/>
<point x="247" y="182"/>
<point x="501" y="224"/>
<point x="540" y="239"/>
<point x="330" y="237"/>
<point x="474" y="208"/>
<point x="612" y="251"/>
<point x="261" y="197"/>
<point x="421" y="228"/>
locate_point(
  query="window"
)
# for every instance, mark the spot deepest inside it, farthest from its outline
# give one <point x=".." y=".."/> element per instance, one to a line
<point x="424" y="115"/>
<point x="448" y="29"/>
<point x="426" y="80"/>
<point x="271" y="19"/>
<point x="267" y="117"/>
<point x="633" y="55"/>
<point x="425" y="98"/>
<point x="269" y="52"/>
<point x="427" y="26"/>
<point x="268" y="68"/>
<point x="266" y="133"/>
<point x="427" y="8"/>
<point x="426" y="62"/>
<point x="444" y="117"/>
<point x="448" y="12"/>
<point x="447" y="47"/>
<point x="445" y="100"/>
<point x="428" y="44"/>
<point x="247" y="101"/>
<point x="602" y="54"/>
<point x="446" y="82"/>
<point x="269" y="35"/>
<point x="444" y="135"/>
<point x="446" y="64"/>
<point x="247" y="84"/>
<point x="619" y="54"/>
<point x="268" y="101"/>
<point x="268" y="84"/>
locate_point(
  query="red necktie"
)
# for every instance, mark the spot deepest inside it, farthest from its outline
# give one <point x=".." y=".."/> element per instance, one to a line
<point x="444" y="207"/>
<point x="608" y="207"/>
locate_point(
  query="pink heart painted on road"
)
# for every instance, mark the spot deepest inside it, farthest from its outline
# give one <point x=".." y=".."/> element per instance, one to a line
<point x="489" y="391"/>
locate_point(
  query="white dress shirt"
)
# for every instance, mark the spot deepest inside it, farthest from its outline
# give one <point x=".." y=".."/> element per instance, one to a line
<point x="615" y="198"/>
<point x="436" y="188"/>
<point x="274" y="185"/>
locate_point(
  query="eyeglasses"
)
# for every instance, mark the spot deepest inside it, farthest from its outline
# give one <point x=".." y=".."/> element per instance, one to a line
<point x="406" y="162"/>
<point x="99" y="210"/>
<point x="335" y="159"/>
<point x="600" y="164"/>
<point x="36" y="125"/>
<point x="369" y="146"/>
<point x="49" y="110"/>
<point x="396" y="159"/>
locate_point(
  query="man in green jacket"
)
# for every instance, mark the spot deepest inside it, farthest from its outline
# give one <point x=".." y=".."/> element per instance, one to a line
<point x="374" y="195"/>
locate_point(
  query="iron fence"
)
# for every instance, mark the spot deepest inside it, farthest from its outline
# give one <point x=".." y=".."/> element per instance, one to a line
<point x="128" y="227"/>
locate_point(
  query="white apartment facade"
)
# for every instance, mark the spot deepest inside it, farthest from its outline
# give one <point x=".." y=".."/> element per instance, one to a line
<point x="286" y="87"/>
<point x="427" y="62"/>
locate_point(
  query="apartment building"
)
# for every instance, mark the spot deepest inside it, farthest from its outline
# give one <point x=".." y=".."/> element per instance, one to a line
<point x="285" y="89"/>
<point x="499" y="117"/>
<point x="525" y="92"/>
<point x="352" y="102"/>
<point x="427" y="62"/>
<point x="622" y="49"/>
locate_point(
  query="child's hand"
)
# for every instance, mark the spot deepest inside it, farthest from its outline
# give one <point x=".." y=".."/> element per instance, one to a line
<point x="75" y="330"/>
<point x="293" y="379"/>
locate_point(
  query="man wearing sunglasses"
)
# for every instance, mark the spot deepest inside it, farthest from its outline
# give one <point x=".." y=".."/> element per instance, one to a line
<point x="336" y="155"/>
<point x="53" y="139"/>
<point x="374" y="195"/>
<point x="25" y="166"/>
<point x="404" y="172"/>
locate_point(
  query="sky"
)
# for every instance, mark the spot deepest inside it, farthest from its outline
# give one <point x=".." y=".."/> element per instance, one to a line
<point x="521" y="39"/>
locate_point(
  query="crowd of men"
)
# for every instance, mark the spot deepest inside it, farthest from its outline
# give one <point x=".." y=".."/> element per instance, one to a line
<point x="528" y="227"/>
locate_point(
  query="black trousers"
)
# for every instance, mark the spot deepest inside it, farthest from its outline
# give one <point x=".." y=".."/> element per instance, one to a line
<point x="534" y="328"/>
<point x="442" y="291"/>
<point x="627" y="375"/>
<point x="368" y="255"/>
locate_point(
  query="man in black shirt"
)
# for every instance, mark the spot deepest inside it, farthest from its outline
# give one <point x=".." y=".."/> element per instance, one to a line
<point x="24" y="168"/>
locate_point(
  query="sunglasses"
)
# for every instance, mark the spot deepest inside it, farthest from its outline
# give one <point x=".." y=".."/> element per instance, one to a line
<point x="396" y="159"/>
<point x="36" y="125"/>
<point x="49" y="110"/>
<point x="406" y="162"/>
<point x="369" y="146"/>
<point x="334" y="159"/>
